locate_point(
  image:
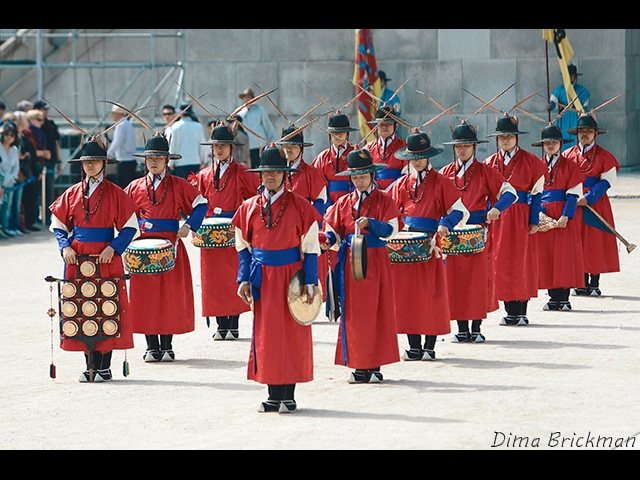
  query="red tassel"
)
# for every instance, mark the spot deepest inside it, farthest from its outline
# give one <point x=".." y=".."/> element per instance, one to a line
<point x="52" y="371"/>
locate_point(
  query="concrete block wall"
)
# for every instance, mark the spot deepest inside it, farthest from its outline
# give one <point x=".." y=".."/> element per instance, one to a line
<point x="439" y="62"/>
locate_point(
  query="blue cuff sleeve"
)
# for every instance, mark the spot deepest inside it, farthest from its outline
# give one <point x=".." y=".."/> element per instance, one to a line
<point x="505" y="201"/>
<point x="451" y="220"/>
<point x="570" y="206"/>
<point x="320" y="206"/>
<point x="197" y="215"/>
<point x="535" y="208"/>
<point x="310" y="266"/>
<point x="379" y="228"/>
<point x="122" y="241"/>
<point x="597" y="191"/>
<point x="244" y="261"/>
<point x="331" y="236"/>
<point x="62" y="238"/>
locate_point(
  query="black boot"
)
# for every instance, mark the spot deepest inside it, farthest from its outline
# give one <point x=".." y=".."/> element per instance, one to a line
<point x="476" y="336"/>
<point x="153" y="349"/>
<point x="511" y="307"/>
<point x="415" y="351"/>
<point x="429" y="347"/>
<point x="583" y="291"/>
<point x="166" y="349"/>
<point x="234" y="333"/>
<point x="522" y="312"/>
<point x="594" y="285"/>
<point x="223" y="328"/>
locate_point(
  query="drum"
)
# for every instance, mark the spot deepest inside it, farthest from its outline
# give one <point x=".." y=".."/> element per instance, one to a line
<point x="149" y="256"/>
<point x="409" y="247"/>
<point x="216" y="232"/>
<point x="465" y="240"/>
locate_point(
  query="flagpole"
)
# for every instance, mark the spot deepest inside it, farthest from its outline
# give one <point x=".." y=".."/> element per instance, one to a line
<point x="546" y="44"/>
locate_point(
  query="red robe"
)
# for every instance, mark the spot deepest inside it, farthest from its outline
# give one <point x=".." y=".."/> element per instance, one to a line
<point x="115" y="209"/>
<point x="219" y="266"/>
<point x="560" y="263"/>
<point x="328" y="165"/>
<point x="368" y="331"/>
<point x="600" y="248"/>
<point x="516" y="253"/>
<point x="470" y="277"/>
<point x="163" y="303"/>
<point x="281" y="348"/>
<point x="379" y="154"/>
<point x="424" y="311"/>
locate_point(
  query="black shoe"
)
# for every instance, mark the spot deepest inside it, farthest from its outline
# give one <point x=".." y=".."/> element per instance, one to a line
<point x="581" y="292"/>
<point x="167" y="356"/>
<point x="287" y="406"/>
<point x="522" y="320"/>
<point x="221" y="334"/>
<point x="103" y="375"/>
<point x="429" y="355"/>
<point x="375" y="377"/>
<point x="477" y="337"/>
<point x="412" y="354"/>
<point x="564" y="306"/>
<point x="151" y="356"/>
<point x="269" y="406"/>
<point x="551" y="305"/>
<point x="360" y="376"/>
<point x="463" y="337"/>
<point x="509" y="320"/>
<point x="595" y="292"/>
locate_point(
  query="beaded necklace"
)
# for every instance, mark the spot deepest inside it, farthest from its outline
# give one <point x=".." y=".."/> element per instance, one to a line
<point x="421" y="189"/>
<point x="225" y="176"/>
<point x="589" y="160"/>
<point x="148" y="187"/>
<point x="95" y="209"/>
<point x="262" y="212"/>
<point x="500" y="167"/>
<point x="369" y="200"/>
<point x="468" y="180"/>
<point x="553" y="171"/>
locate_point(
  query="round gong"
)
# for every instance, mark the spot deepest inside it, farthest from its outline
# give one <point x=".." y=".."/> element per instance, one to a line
<point x="69" y="309"/>
<point x="89" y="328"/>
<point x="108" y="289"/>
<point x="359" y="257"/>
<point x="109" y="327"/>
<point x="87" y="268"/>
<point x="68" y="290"/>
<point x="302" y="312"/>
<point x="70" y="328"/>
<point x="109" y="308"/>
<point x="89" y="309"/>
<point x="88" y="289"/>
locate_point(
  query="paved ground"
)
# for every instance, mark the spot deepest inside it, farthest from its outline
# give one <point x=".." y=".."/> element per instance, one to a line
<point x="568" y="380"/>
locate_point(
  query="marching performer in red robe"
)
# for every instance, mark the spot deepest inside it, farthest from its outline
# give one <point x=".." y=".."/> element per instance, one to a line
<point x="83" y="220"/>
<point x="330" y="162"/>
<point x="560" y="262"/>
<point x="383" y="148"/>
<point x="368" y="334"/>
<point x="162" y="304"/>
<point x="276" y="236"/>
<point x="430" y="204"/>
<point x="470" y="276"/>
<point x="600" y="169"/>
<point x="225" y="185"/>
<point x="514" y="242"/>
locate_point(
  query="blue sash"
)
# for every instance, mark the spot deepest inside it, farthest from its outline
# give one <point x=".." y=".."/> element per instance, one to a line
<point x="554" y="196"/>
<point x="477" y="217"/>
<point x="523" y="197"/>
<point x="270" y="258"/>
<point x="160" y="225"/>
<point x="421" y="224"/>
<point x="389" y="174"/>
<point x="85" y="234"/>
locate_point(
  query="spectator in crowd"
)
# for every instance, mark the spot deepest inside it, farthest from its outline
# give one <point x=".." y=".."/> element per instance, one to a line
<point x="10" y="168"/>
<point x="122" y="147"/>
<point x="35" y="119"/>
<point x="31" y="169"/>
<point x="53" y="164"/>
<point x="168" y="114"/>
<point x="256" y="119"/>
<point x="187" y="137"/>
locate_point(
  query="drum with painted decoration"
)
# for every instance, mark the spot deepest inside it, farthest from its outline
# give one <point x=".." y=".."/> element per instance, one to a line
<point x="409" y="247"/>
<point x="463" y="241"/>
<point x="215" y="232"/>
<point x="148" y="256"/>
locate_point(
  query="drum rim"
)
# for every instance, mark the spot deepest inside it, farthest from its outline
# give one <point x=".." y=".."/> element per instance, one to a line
<point x="135" y="243"/>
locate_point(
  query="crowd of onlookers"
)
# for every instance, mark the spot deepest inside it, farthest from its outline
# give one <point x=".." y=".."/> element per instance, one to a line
<point x="29" y="153"/>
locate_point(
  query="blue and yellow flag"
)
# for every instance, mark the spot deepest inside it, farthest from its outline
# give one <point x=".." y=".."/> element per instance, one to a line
<point x="366" y="76"/>
<point x="564" y="50"/>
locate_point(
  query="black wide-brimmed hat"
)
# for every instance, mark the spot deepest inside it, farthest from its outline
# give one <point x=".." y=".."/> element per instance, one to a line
<point x="93" y="150"/>
<point x="157" y="146"/>
<point x="586" y="120"/>
<point x="222" y="135"/>
<point x="506" y="125"/>
<point x="340" y="122"/>
<point x="384" y="114"/>
<point x="297" y="139"/>
<point x="418" y="147"/>
<point x="360" y="162"/>
<point x="550" y="133"/>
<point x="573" y="70"/>
<point x="464" y="134"/>
<point x="272" y="159"/>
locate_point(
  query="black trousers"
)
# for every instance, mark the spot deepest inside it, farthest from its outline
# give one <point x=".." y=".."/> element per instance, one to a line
<point x="98" y="361"/>
<point x="282" y="392"/>
<point x="228" y="323"/>
<point x="516" y="307"/>
<point x="415" y="341"/>
<point x="159" y="342"/>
